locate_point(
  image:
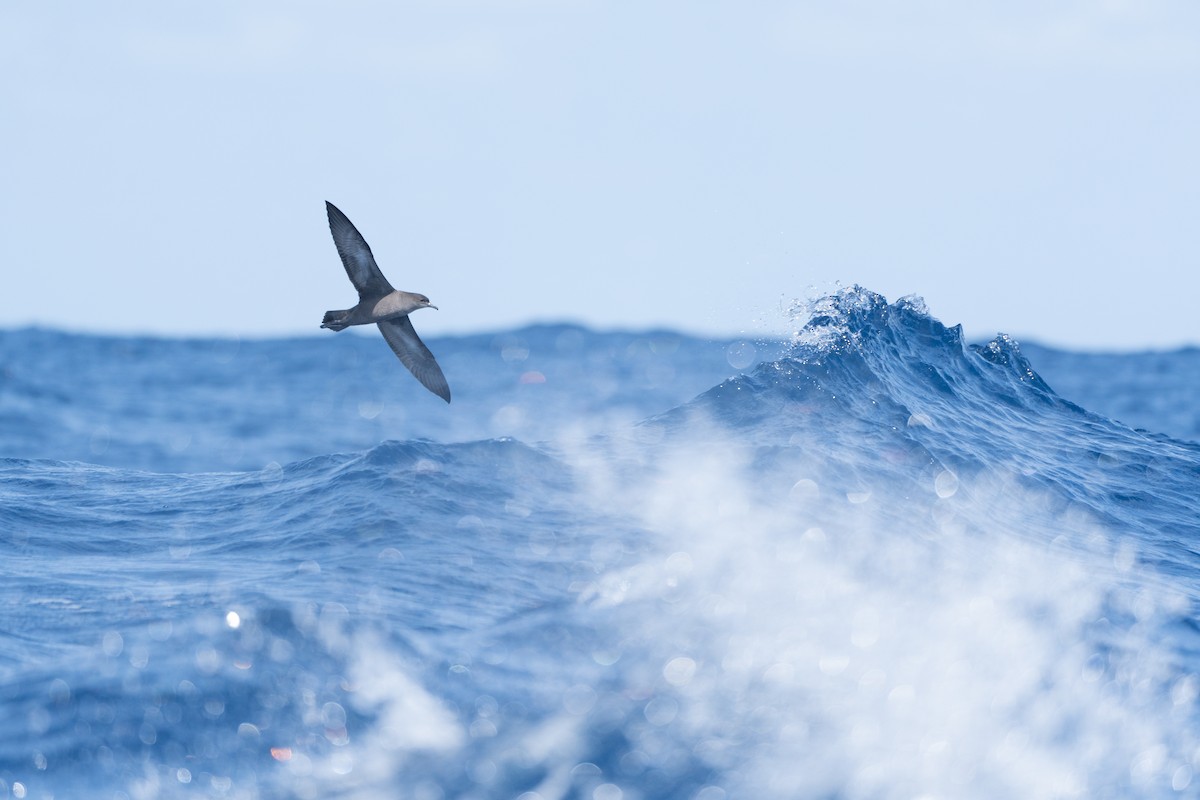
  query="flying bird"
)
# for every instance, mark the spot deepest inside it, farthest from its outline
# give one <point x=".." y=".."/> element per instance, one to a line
<point x="379" y="303"/>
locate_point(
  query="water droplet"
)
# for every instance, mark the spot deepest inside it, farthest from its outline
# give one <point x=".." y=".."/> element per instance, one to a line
<point x="1094" y="669"/>
<point x="60" y="692"/>
<point x="139" y="657"/>
<point x="484" y="771"/>
<point x="483" y="729"/>
<point x="805" y="489"/>
<point x="113" y="644"/>
<point x="514" y="353"/>
<point x="945" y="484"/>
<point x="679" y="563"/>
<point x="1182" y="778"/>
<point x="1185" y="691"/>
<point x="741" y="354"/>
<point x="333" y="715"/>
<point x="542" y="542"/>
<point x="607" y="791"/>
<point x="270" y="475"/>
<point x="679" y="671"/>
<point x="342" y="763"/>
<point x="661" y="710"/>
<point x="370" y="409"/>
<point x="606" y="658"/>
<point x="1125" y="557"/>
<point x="517" y="509"/>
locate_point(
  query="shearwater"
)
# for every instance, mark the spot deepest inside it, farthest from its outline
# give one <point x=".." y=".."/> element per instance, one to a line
<point x="379" y="303"/>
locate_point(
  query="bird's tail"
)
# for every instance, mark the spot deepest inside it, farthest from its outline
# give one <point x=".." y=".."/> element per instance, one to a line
<point x="333" y="320"/>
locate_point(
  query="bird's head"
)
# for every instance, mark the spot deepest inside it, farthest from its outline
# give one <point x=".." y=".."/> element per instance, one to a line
<point x="423" y="302"/>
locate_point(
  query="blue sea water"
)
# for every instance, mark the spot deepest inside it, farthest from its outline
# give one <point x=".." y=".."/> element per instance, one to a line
<point x="870" y="561"/>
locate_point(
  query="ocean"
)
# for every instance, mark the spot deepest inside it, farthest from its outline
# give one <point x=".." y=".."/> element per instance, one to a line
<point x="867" y="560"/>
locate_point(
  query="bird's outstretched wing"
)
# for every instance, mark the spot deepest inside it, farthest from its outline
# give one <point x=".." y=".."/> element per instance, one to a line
<point x="356" y="256"/>
<point x="405" y="343"/>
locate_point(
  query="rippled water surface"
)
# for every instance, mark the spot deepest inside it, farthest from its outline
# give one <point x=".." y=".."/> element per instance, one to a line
<point x="870" y="561"/>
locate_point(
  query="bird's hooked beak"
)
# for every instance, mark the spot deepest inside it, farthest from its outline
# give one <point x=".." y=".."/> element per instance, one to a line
<point x="431" y="305"/>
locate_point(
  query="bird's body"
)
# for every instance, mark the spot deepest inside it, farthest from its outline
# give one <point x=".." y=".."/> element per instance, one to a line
<point x="374" y="310"/>
<point x="380" y="304"/>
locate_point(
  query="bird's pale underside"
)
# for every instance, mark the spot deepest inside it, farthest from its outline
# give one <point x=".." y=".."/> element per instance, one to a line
<point x="380" y="304"/>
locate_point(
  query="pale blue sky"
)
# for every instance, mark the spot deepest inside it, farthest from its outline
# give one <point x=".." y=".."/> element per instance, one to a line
<point x="1031" y="167"/>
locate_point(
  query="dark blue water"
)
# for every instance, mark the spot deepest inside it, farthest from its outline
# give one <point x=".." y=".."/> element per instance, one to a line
<point x="872" y="561"/>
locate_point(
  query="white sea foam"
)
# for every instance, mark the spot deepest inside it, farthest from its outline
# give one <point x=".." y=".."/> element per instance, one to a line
<point x="932" y="646"/>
